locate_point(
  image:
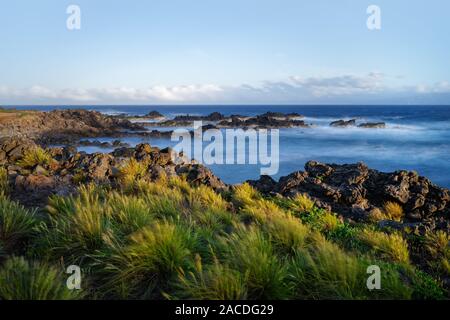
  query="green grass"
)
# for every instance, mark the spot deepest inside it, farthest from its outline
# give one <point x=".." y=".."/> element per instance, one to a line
<point x="23" y="280"/>
<point x="16" y="225"/>
<point x="391" y="247"/>
<point x="251" y="252"/>
<point x="33" y="157"/>
<point x="170" y="240"/>
<point x="211" y="282"/>
<point x="4" y="182"/>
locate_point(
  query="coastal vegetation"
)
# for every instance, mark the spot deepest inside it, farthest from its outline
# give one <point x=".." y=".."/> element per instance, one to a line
<point x="169" y="239"/>
<point x="140" y="226"/>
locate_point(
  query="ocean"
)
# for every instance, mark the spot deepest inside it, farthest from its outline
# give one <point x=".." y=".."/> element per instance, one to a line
<point x="415" y="138"/>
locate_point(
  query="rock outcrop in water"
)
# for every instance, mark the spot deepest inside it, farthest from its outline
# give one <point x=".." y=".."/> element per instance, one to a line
<point x="343" y="123"/>
<point x="266" y="120"/>
<point x="373" y="125"/>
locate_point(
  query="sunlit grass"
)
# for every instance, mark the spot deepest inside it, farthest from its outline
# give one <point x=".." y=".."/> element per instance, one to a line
<point x="389" y="246"/>
<point x="393" y="211"/>
<point x="16" y="224"/>
<point x="33" y="157"/>
<point x="168" y="239"/>
<point x="23" y="280"/>
<point x="4" y="183"/>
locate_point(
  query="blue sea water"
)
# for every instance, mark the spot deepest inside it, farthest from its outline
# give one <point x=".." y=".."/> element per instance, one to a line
<point x="416" y="137"/>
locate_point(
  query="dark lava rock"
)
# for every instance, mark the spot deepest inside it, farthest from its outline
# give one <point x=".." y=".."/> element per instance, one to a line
<point x="372" y="125"/>
<point x="154" y="115"/>
<point x="353" y="190"/>
<point x="343" y="123"/>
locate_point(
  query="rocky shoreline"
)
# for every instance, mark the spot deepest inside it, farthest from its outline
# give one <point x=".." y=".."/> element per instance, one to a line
<point x="359" y="198"/>
<point x="70" y="127"/>
<point x="353" y="191"/>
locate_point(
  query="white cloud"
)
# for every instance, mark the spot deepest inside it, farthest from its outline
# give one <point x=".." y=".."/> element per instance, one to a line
<point x="151" y="94"/>
<point x="341" y="85"/>
<point x="346" y="88"/>
<point x="439" y="87"/>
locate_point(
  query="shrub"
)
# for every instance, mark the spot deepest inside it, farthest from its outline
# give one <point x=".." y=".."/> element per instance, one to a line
<point x="35" y="156"/>
<point x="438" y="247"/>
<point x="260" y="210"/>
<point x="329" y="222"/>
<point x="251" y="253"/>
<point x="206" y="198"/>
<point x="132" y="171"/>
<point x="287" y="234"/>
<point x="213" y="282"/>
<point x="425" y="287"/>
<point x="22" y="280"/>
<point x="215" y="220"/>
<point x="77" y="225"/>
<point x="393" y="211"/>
<point x="302" y="203"/>
<point x="130" y="213"/>
<point x="166" y="206"/>
<point x="324" y="271"/>
<point x="4" y="183"/>
<point x="389" y="246"/>
<point x="245" y="194"/>
<point x="16" y="224"/>
<point x="152" y="259"/>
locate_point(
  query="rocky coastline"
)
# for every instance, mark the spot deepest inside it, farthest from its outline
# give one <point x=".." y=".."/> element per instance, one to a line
<point x="352" y="190"/>
<point x="33" y="172"/>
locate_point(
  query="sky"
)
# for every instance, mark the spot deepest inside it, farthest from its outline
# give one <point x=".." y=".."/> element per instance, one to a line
<point x="224" y="52"/>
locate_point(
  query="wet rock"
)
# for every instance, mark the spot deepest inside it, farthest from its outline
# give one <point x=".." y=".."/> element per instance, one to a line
<point x="372" y="125"/>
<point x="343" y="123"/>
<point x="153" y="115"/>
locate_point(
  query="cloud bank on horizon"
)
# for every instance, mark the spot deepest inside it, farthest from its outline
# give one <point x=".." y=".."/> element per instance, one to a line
<point x="225" y="52"/>
<point x="349" y="89"/>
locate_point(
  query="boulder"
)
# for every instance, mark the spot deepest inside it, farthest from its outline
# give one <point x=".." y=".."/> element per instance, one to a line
<point x="343" y="123"/>
<point x="372" y="125"/>
<point x="153" y="115"/>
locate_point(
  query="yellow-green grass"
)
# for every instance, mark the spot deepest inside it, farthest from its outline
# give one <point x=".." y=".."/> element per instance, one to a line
<point x="168" y="239"/>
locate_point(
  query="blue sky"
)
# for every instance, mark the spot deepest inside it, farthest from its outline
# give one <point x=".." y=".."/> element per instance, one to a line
<point x="224" y="51"/>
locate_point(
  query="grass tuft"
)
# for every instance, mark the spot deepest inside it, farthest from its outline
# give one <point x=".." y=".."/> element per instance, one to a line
<point x="391" y="247"/>
<point x="35" y="156"/>
<point x="16" y="224"/>
<point x="23" y="280"/>
<point x="393" y="211"/>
